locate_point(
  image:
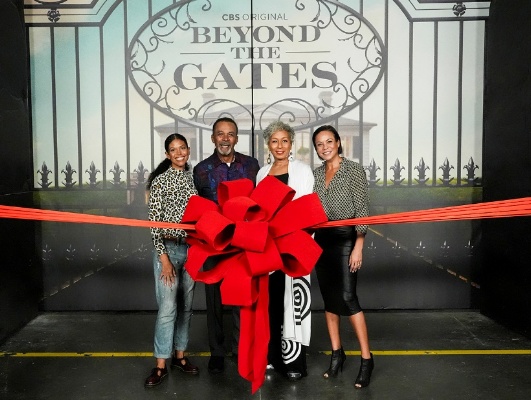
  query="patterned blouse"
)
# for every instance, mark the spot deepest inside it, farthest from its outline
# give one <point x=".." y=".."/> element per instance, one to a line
<point x="168" y="197"/>
<point x="347" y="193"/>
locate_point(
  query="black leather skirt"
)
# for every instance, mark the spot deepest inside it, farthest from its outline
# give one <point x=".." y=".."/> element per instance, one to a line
<point x="336" y="282"/>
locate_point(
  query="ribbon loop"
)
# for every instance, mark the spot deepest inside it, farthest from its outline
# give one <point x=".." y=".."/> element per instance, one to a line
<point x="250" y="236"/>
<point x="243" y="209"/>
<point x="265" y="262"/>
<point x="298" y="260"/>
<point x="272" y="195"/>
<point x="215" y="229"/>
<point x="236" y="188"/>
<point x="196" y="207"/>
<point x="299" y="214"/>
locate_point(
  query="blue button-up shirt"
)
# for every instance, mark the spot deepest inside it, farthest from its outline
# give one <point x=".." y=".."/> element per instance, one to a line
<point x="210" y="172"/>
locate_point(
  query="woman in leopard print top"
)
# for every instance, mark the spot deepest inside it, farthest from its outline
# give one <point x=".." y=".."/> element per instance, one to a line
<point x="170" y="187"/>
<point x="341" y="185"/>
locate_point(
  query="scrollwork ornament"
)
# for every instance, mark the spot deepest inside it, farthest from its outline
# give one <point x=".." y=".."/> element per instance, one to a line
<point x="459" y="9"/>
<point x="54" y="15"/>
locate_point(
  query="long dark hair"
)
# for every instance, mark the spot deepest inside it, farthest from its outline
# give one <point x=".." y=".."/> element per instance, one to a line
<point x="328" y="128"/>
<point x="166" y="163"/>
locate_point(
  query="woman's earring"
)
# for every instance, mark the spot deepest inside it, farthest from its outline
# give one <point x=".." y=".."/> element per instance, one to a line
<point x="290" y="156"/>
<point x="269" y="158"/>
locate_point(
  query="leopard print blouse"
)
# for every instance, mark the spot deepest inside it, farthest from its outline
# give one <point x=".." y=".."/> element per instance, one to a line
<point x="168" y="198"/>
<point x="347" y="193"/>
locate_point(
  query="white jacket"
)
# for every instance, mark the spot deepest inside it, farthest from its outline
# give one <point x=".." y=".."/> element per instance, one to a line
<point x="300" y="177"/>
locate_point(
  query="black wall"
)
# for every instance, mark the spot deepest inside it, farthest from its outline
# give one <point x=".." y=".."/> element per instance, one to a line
<point x="20" y="273"/>
<point x="506" y="280"/>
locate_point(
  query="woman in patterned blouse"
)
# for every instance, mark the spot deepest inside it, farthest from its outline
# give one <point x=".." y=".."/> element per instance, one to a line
<point x="170" y="187"/>
<point x="342" y="188"/>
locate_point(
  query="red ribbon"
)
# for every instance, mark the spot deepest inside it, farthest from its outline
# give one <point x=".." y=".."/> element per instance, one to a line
<point x="519" y="207"/>
<point x="253" y="232"/>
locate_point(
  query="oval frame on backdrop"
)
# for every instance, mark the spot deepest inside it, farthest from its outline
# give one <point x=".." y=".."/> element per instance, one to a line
<point x="306" y="62"/>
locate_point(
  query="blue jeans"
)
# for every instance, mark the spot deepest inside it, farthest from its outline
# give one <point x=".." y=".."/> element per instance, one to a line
<point x="175" y="303"/>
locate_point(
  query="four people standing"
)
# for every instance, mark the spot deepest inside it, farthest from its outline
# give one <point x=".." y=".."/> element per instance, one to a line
<point x="289" y="323"/>
<point x="342" y="188"/>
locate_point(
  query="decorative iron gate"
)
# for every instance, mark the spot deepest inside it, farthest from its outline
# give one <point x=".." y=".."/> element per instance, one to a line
<point x="409" y="109"/>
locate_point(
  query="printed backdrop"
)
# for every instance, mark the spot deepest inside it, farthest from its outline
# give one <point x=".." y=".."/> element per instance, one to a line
<point x="402" y="80"/>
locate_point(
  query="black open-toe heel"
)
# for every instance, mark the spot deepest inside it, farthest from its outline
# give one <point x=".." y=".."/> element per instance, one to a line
<point x="336" y="363"/>
<point x="364" y="376"/>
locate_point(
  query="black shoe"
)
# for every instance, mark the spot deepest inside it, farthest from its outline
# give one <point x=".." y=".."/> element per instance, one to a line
<point x="336" y="363"/>
<point x="156" y="377"/>
<point x="187" y="367"/>
<point x="216" y="364"/>
<point x="364" y="376"/>
<point x="295" y="375"/>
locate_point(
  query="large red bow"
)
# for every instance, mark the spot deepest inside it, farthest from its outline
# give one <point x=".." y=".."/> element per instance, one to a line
<point x="253" y="231"/>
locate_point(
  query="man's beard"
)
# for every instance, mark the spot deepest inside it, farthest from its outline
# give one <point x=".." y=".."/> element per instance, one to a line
<point x="224" y="152"/>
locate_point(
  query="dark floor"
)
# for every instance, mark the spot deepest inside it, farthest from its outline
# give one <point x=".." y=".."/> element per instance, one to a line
<point x="418" y="355"/>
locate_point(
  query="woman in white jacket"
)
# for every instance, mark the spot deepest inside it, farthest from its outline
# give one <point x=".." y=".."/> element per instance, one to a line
<point x="289" y="298"/>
